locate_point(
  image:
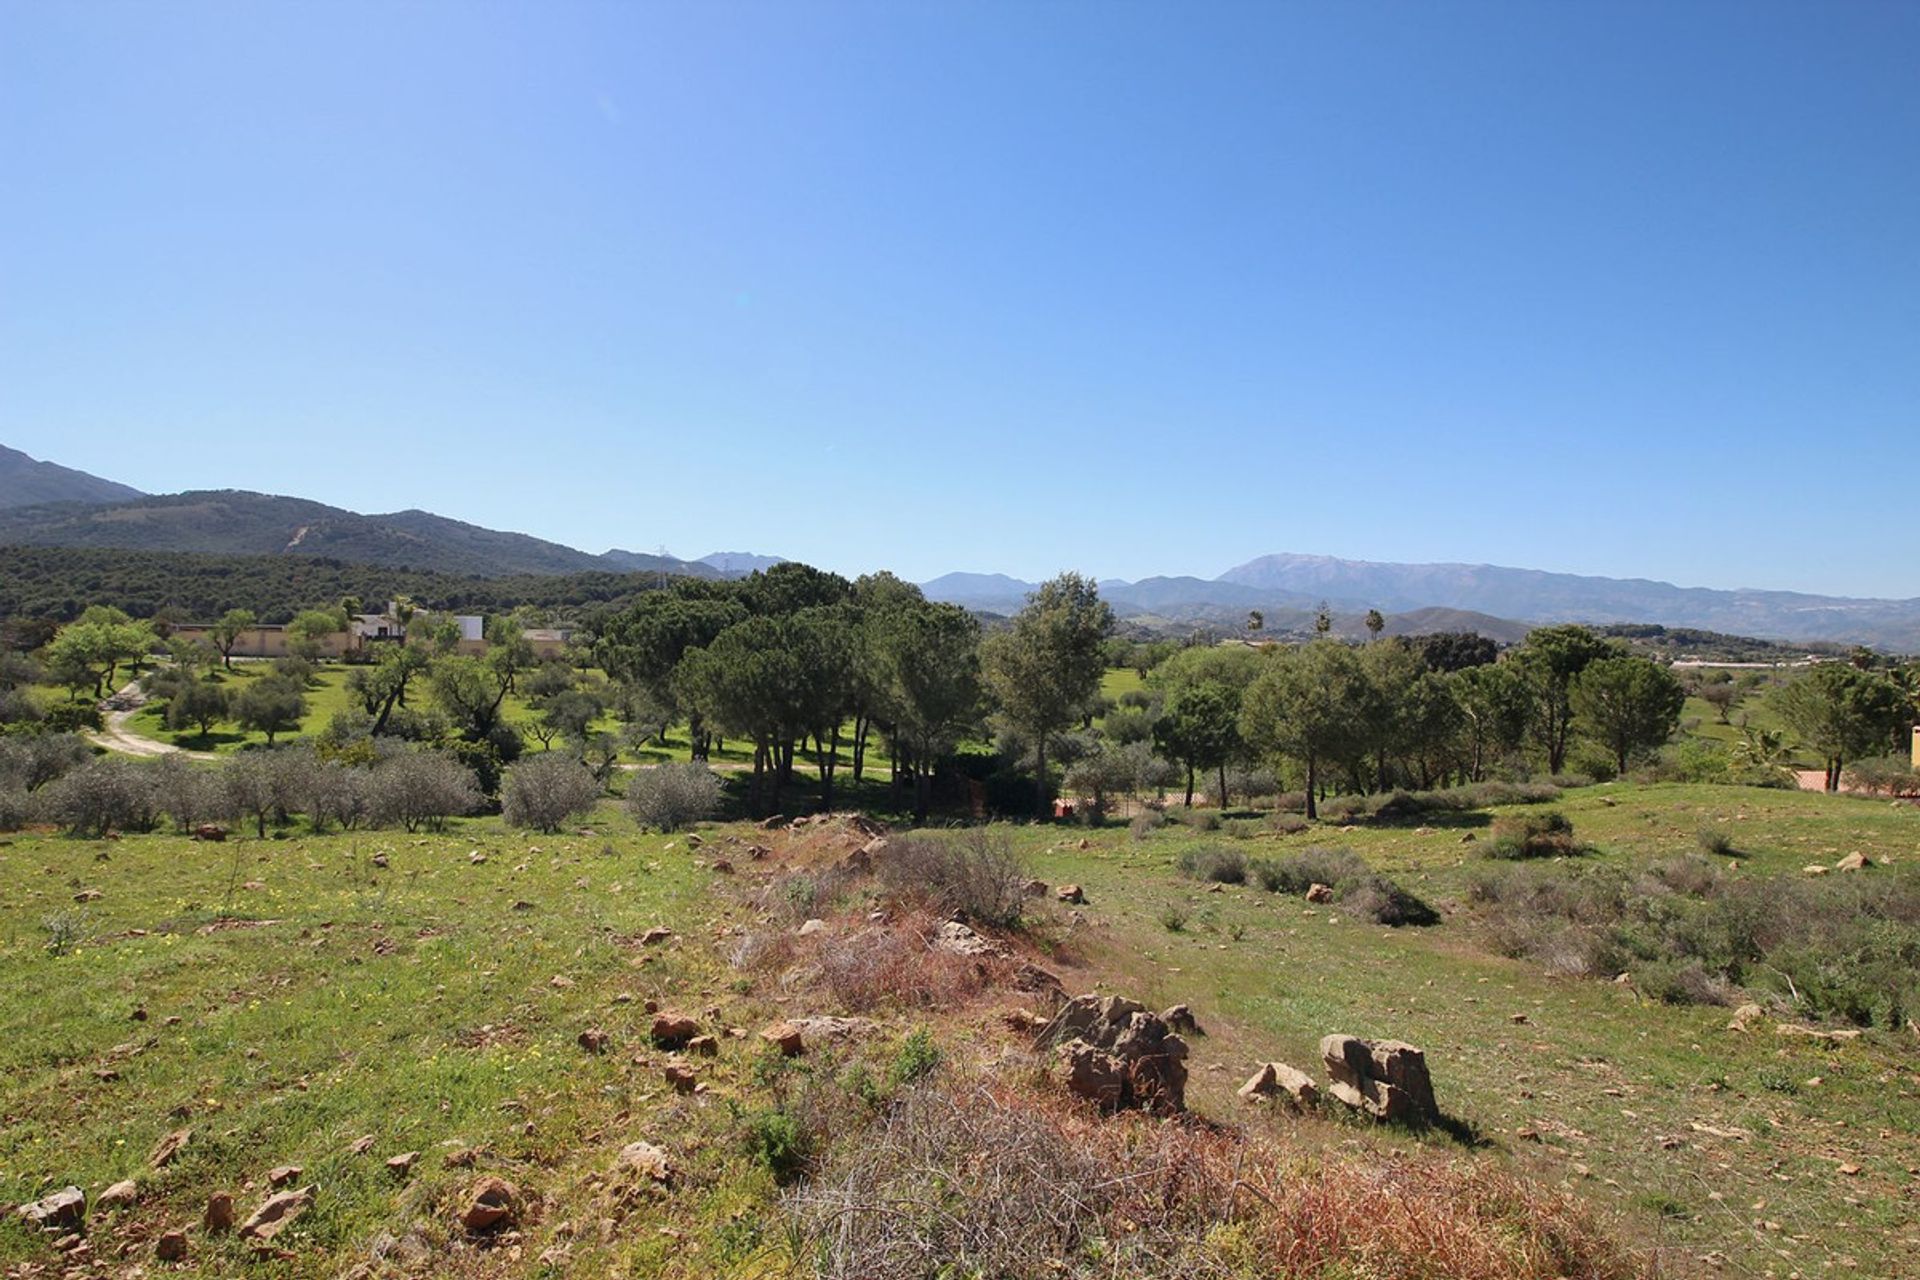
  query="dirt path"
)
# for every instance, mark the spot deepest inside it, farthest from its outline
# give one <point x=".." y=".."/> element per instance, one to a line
<point x="117" y="737"/>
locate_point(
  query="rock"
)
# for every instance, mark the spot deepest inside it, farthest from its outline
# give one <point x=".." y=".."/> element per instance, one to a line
<point x="655" y="936"/>
<point x="722" y="867"/>
<point x="960" y="940"/>
<point x="118" y="1196"/>
<point x="380" y="860"/>
<point x="1319" y="893"/>
<point x="1181" y="1019"/>
<point x="705" y="1046"/>
<point x="1278" y="1080"/>
<point x="1814" y="1033"/>
<point x="1035" y="888"/>
<point x="1745" y="1016"/>
<point x="491" y="1202"/>
<point x="786" y="1037"/>
<point x="1468" y="838"/>
<point x="64" y="1210"/>
<point x="1815" y="869"/>
<point x="1386" y="1079"/>
<point x="1117" y="1054"/>
<point x="361" y="1145"/>
<point x="1853" y="862"/>
<point x="821" y="1028"/>
<point x="774" y="823"/>
<point x="219" y="1214"/>
<point x="673" y="1030"/>
<point x="171" y="1247"/>
<point x="681" y="1078"/>
<point x="402" y="1164"/>
<point x="476" y="857"/>
<point x="281" y="1175"/>
<point x="1034" y="980"/>
<point x="212" y="831"/>
<point x="594" y="1040"/>
<point x="1070" y="893"/>
<point x="755" y="852"/>
<point x="274" y="1213"/>
<point x="168" y="1147"/>
<point x="812" y="927"/>
<point x="645" y="1159"/>
<point x="87" y="895"/>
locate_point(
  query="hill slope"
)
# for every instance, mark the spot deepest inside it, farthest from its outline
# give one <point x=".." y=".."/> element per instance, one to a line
<point x="27" y="482"/>
<point x="239" y="522"/>
<point x="1538" y="596"/>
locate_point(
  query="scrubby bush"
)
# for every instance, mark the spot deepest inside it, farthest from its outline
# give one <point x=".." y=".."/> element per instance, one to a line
<point x="73" y="717"/>
<point x="546" y="790"/>
<point x="1210" y="862"/>
<point x="1358" y="890"/>
<point x="108" y="794"/>
<point x="417" y="789"/>
<point x="1519" y="836"/>
<point x="29" y="761"/>
<point x="1886" y="775"/>
<point x="1688" y="930"/>
<point x="670" y="796"/>
<point x="17" y="807"/>
<point x="1295" y="873"/>
<point x="1146" y="823"/>
<point x="1288" y="824"/>
<point x="1715" y="840"/>
<point x="974" y="872"/>
<point x="189" y="793"/>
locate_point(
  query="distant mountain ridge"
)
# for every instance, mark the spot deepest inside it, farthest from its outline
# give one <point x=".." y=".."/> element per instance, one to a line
<point x="28" y="482"/>
<point x="241" y="522"/>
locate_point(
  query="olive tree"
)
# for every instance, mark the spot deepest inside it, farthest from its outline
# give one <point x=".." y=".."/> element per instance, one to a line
<point x="1045" y="669"/>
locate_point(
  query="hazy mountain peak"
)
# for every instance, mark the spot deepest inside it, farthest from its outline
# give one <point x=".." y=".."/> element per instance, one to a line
<point x="28" y="482"/>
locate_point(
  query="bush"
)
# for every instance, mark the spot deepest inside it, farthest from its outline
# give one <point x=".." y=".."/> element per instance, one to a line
<point x="1691" y="931"/>
<point x="1532" y="835"/>
<point x="546" y="790"/>
<point x="1374" y="897"/>
<point x="1222" y="866"/>
<point x="1146" y="823"/>
<point x="104" y="795"/>
<point x="187" y="792"/>
<point x="73" y="717"/>
<point x="974" y="872"/>
<point x="29" y="761"/>
<point x="17" y="807"/>
<point x="1714" y="840"/>
<point x="670" y="796"/>
<point x="777" y="1139"/>
<point x="1288" y="824"/>
<point x="1295" y="873"/>
<point x="419" y="788"/>
<point x="1888" y="776"/>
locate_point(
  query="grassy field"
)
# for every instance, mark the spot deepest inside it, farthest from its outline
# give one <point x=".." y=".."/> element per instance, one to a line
<point x="283" y="999"/>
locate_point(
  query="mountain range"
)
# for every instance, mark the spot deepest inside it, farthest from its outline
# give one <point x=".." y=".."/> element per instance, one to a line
<point x="26" y="482"/>
<point x="42" y="504"/>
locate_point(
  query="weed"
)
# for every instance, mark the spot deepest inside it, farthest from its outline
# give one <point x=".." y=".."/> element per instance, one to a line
<point x="1221" y="866"/>
<point x="66" y="930"/>
<point x="1173" y="918"/>
<point x="1521" y="836"/>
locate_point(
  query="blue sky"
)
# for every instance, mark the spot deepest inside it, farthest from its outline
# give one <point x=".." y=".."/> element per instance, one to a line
<point x="1613" y="288"/>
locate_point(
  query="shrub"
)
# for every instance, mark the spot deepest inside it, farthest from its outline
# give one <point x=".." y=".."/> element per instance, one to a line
<point x="670" y="796"/>
<point x="1146" y="823"/>
<point x="17" y="808"/>
<point x="917" y="1056"/>
<point x="1714" y="840"/>
<point x="1532" y="835"/>
<point x="1295" y="873"/>
<point x="1173" y="918"/>
<point x="975" y="872"/>
<point x="29" y="761"/>
<point x="73" y="717"/>
<point x="103" y="795"/>
<point x="189" y="793"/>
<point x="777" y="1139"/>
<point x="1888" y="775"/>
<point x="969" y="1177"/>
<point x="1288" y="824"/>
<point x="546" y="790"/>
<point x="891" y="965"/>
<point x="420" y="788"/>
<point x="1222" y="866"/>
<point x="1374" y="897"/>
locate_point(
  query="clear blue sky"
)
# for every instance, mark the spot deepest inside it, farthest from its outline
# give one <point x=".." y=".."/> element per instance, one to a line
<point x="1613" y="288"/>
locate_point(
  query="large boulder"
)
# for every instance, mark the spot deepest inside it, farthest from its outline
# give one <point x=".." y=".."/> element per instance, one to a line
<point x="1118" y="1054"/>
<point x="1386" y="1079"/>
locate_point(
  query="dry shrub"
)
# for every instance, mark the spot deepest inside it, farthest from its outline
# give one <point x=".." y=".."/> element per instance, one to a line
<point x="1520" y="836"/>
<point x="890" y="965"/>
<point x="966" y="1178"/>
<point x="974" y="872"/>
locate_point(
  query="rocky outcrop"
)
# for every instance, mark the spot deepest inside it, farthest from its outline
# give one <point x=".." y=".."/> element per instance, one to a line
<point x="64" y="1210"/>
<point x="1387" y="1079"/>
<point x="1118" y="1054"/>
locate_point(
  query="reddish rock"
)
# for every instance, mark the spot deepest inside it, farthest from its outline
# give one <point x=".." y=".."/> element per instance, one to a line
<point x="594" y="1040"/>
<point x="219" y="1214"/>
<point x="171" y="1247"/>
<point x="1070" y="893"/>
<point x="673" y="1030"/>
<point x="786" y="1037"/>
<point x="492" y="1202"/>
<point x="281" y="1175"/>
<point x="168" y="1147"/>
<point x="64" y="1210"/>
<point x="274" y="1213"/>
<point x="681" y="1078"/>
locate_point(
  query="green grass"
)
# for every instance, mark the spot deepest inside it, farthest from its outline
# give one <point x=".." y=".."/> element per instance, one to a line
<point x="320" y="998"/>
<point x="1599" y="1087"/>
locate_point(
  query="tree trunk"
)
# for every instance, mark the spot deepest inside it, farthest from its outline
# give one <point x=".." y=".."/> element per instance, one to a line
<point x="1313" y="775"/>
<point x="1189" y="784"/>
<point x="1040" y="775"/>
<point x="1223" y="787"/>
<point x="829" y="760"/>
<point x="861" y="724"/>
